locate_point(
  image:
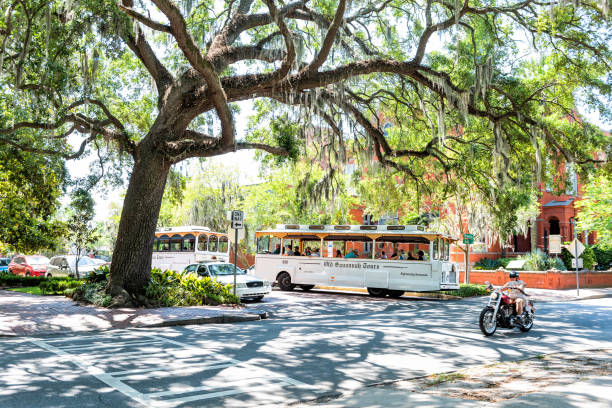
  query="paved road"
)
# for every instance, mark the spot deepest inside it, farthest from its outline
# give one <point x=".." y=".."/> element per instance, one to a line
<point x="315" y="345"/>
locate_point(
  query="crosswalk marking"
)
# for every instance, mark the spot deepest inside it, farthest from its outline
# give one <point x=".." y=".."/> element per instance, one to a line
<point x="183" y="359"/>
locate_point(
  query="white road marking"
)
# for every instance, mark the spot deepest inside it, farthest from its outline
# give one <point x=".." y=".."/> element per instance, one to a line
<point x="185" y="359"/>
<point x="109" y="345"/>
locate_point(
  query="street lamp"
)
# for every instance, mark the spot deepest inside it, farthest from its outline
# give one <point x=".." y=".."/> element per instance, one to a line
<point x="573" y="223"/>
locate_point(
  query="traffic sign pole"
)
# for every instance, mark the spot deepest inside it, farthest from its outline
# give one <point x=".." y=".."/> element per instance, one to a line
<point x="467" y="240"/>
<point x="236" y="216"/>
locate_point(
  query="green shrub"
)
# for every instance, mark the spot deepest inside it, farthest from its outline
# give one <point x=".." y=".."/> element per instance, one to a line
<point x="468" y="290"/>
<point x="59" y="286"/>
<point x="567" y="257"/>
<point x="169" y="288"/>
<point x="503" y="262"/>
<point x="101" y="275"/>
<point x="557" y="263"/>
<point x="166" y="288"/>
<point x="10" y="280"/>
<point x="588" y="259"/>
<point x="486" y="264"/>
<point x="603" y="256"/>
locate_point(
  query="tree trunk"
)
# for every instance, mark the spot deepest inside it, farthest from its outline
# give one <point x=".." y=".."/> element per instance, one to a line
<point x="131" y="265"/>
<point x="534" y="236"/>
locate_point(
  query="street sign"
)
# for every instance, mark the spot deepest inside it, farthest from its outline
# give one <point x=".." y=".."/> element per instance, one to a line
<point x="574" y="246"/>
<point x="237" y="218"/>
<point x="231" y="234"/>
<point x="468" y="238"/>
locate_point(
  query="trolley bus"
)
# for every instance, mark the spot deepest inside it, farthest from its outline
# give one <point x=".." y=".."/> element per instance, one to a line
<point x="176" y="247"/>
<point x="386" y="259"/>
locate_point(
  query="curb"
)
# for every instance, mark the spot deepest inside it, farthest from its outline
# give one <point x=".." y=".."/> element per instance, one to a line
<point x="235" y="318"/>
<point x="222" y="319"/>
<point x="420" y="295"/>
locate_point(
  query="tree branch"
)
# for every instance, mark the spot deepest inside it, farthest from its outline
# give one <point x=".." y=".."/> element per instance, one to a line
<point x="290" y="55"/>
<point x="143" y="19"/>
<point x="328" y="42"/>
<point x="203" y="65"/>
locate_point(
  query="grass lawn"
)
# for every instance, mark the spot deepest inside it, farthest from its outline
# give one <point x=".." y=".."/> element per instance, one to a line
<point x="33" y="290"/>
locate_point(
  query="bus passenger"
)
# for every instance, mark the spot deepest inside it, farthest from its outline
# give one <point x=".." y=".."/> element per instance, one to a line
<point x="394" y="256"/>
<point x="352" y="254"/>
<point x="307" y="252"/>
<point x="421" y="255"/>
<point x="288" y="251"/>
<point x="402" y="255"/>
<point x="277" y="250"/>
<point x="338" y="253"/>
<point x="383" y="255"/>
<point x="411" y="257"/>
<point x="296" y="251"/>
<point x="316" y="252"/>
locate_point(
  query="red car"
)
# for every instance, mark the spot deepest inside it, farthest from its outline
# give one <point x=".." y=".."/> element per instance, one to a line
<point x="29" y="265"/>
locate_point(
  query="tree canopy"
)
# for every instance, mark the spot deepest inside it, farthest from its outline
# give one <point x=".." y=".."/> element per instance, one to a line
<point x="468" y="86"/>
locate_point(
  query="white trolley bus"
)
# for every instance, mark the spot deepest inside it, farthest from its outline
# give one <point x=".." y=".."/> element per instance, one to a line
<point x="176" y="247"/>
<point x="386" y="259"/>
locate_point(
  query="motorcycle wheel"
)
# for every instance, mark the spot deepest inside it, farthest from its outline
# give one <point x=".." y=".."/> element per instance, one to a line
<point x="528" y="325"/>
<point x="487" y="323"/>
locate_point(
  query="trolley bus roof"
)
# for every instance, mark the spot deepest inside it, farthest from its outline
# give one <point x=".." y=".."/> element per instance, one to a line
<point x="185" y="229"/>
<point x="349" y="232"/>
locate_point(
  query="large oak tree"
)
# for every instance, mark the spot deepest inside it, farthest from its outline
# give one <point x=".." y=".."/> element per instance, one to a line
<point x="149" y="84"/>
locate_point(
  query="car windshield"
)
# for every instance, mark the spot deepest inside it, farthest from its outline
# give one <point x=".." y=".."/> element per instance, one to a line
<point x="224" y="269"/>
<point x="37" y="260"/>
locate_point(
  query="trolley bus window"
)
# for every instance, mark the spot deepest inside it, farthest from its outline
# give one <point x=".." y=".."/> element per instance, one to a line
<point x="188" y="244"/>
<point x="435" y="248"/>
<point x="155" y="242"/>
<point x="202" y="243"/>
<point x="223" y="244"/>
<point x="212" y="243"/>
<point x="164" y="245"/>
<point x="447" y="251"/>
<point x="175" y="243"/>
<point x="263" y="245"/>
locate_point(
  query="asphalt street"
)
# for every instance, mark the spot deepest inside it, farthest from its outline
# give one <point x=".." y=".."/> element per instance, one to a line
<point x="314" y="346"/>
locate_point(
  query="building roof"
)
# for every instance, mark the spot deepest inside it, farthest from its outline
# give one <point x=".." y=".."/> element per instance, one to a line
<point x="555" y="203"/>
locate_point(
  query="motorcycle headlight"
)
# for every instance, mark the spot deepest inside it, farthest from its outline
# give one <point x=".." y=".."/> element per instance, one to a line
<point x="494" y="295"/>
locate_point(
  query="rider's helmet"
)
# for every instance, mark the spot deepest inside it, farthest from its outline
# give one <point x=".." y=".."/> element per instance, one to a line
<point x="514" y="274"/>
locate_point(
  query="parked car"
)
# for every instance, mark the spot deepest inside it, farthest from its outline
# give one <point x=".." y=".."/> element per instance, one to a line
<point x="247" y="286"/>
<point x="4" y="263"/>
<point x="65" y="265"/>
<point x="29" y="265"/>
<point x="100" y="262"/>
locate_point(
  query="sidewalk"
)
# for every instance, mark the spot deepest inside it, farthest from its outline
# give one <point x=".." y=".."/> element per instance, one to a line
<point x="22" y="314"/>
<point x="567" y="295"/>
<point x="557" y="380"/>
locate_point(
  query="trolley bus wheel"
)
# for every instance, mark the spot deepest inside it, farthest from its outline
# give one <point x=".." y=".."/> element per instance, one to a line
<point x="395" y="293"/>
<point x="377" y="292"/>
<point x="306" y="288"/>
<point x="284" y="281"/>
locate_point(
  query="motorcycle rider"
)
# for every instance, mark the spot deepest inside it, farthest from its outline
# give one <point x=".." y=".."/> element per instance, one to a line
<point x="517" y="292"/>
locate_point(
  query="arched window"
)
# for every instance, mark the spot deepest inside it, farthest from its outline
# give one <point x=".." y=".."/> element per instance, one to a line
<point x="212" y="243"/>
<point x="202" y="242"/>
<point x="188" y="243"/>
<point x="175" y="243"/>
<point x="164" y="243"/>
<point x="223" y="244"/>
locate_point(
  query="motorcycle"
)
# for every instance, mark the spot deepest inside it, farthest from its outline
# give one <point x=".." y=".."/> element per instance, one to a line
<point x="501" y="312"/>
